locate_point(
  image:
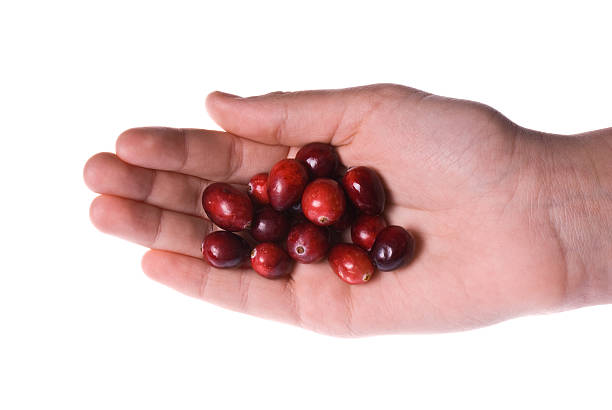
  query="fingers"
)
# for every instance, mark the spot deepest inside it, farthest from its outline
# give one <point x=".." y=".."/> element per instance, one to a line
<point x="177" y="261"/>
<point x="211" y="155"/>
<point x="241" y="290"/>
<point x="294" y="119"/>
<point x="104" y="173"/>
<point x="148" y="225"/>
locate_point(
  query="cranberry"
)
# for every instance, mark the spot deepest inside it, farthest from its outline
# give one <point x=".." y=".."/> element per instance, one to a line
<point x="227" y="207"/>
<point x="321" y="160"/>
<point x="351" y="263"/>
<point x="258" y="189"/>
<point x="364" y="187"/>
<point x="269" y="225"/>
<point x="286" y="182"/>
<point x="365" y="228"/>
<point x="270" y="261"/>
<point x="224" y="249"/>
<point x="393" y="246"/>
<point x="323" y="202"/>
<point x="307" y="242"/>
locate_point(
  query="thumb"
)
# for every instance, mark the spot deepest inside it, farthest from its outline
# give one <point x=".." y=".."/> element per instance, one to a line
<point x="297" y="118"/>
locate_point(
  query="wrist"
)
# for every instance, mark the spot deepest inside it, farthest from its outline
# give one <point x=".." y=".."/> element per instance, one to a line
<point x="577" y="171"/>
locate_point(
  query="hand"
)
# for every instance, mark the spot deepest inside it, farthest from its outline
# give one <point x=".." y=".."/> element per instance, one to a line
<point x="472" y="185"/>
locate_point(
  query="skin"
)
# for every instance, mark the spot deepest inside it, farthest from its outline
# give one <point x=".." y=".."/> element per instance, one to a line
<point x="508" y="221"/>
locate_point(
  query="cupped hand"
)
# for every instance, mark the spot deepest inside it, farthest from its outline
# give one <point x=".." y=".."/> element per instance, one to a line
<point x="458" y="174"/>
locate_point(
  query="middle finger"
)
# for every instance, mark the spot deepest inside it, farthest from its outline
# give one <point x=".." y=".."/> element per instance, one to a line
<point x="211" y="155"/>
<point x="104" y="173"/>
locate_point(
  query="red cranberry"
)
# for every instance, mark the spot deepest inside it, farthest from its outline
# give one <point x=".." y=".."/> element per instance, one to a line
<point x="321" y="160"/>
<point x="258" y="188"/>
<point x="351" y="263"/>
<point x="227" y="207"/>
<point x="224" y="249"/>
<point x="286" y="182"/>
<point x="269" y="225"/>
<point x="393" y="246"/>
<point x="365" y="228"/>
<point x="364" y="187"/>
<point x="323" y="202"/>
<point x="270" y="261"/>
<point x="307" y="242"/>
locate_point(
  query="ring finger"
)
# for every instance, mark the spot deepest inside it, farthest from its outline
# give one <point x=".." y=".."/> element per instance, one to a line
<point x="149" y="225"/>
<point x="106" y="174"/>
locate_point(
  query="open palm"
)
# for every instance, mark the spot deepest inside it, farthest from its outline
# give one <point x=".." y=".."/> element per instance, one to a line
<point x="457" y="173"/>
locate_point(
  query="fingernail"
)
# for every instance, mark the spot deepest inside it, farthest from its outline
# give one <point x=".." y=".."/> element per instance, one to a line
<point x="227" y="94"/>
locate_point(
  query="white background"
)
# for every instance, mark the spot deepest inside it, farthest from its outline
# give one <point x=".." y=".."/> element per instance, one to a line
<point x="82" y="328"/>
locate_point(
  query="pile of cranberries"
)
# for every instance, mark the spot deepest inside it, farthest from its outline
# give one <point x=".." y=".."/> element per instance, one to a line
<point x="298" y="211"/>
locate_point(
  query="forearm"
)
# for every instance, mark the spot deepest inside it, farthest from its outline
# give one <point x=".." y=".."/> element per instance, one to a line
<point x="579" y="206"/>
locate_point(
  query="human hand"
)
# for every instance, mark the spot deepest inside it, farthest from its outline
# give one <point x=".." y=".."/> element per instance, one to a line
<point x="475" y="188"/>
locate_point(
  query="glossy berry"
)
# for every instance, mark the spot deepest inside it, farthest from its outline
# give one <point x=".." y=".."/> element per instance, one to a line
<point x="323" y="202"/>
<point x="307" y="242"/>
<point x="365" y="228"/>
<point x="365" y="189"/>
<point x="227" y="207"/>
<point x="320" y="160"/>
<point x="258" y="189"/>
<point x="269" y="225"/>
<point x="224" y="249"/>
<point x="270" y="261"/>
<point x="351" y="263"/>
<point x="286" y="182"/>
<point x="393" y="246"/>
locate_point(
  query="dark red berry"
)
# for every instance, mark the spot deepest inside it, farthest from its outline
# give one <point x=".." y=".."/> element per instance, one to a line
<point x="365" y="228"/>
<point x="269" y="225"/>
<point x="323" y="202"/>
<point x="307" y="242"/>
<point x="286" y="182"/>
<point x="351" y="263"/>
<point x="365" y="189"/>
<point x="224" y="249"/>
<point x="320" y="160"/>
<point x="227" y="207"/>
<point x="393" y="246"/>
<point x="258" y="189"/>
<point x="270" y="261"/>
